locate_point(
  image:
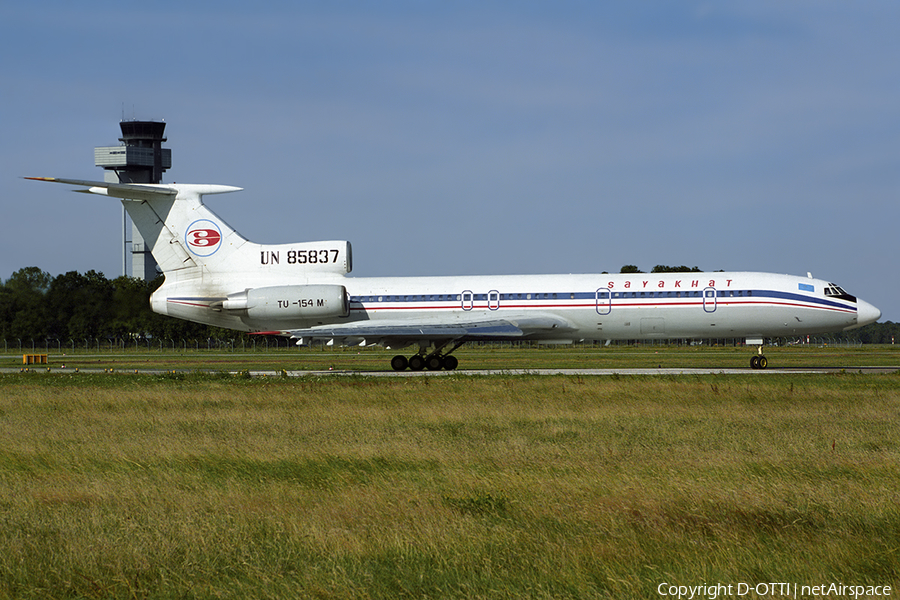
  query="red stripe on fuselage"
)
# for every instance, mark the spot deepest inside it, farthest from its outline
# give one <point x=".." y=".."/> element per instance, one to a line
<point x="394" y="306"/>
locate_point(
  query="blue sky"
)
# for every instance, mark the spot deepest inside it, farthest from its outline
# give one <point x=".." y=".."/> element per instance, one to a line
<point x="475" y="137"/>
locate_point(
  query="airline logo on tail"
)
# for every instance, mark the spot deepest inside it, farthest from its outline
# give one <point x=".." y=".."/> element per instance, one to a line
<point x="203" y="238"/>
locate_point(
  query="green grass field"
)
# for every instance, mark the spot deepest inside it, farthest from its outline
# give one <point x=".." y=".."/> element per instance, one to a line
<point x="204" y="486"/>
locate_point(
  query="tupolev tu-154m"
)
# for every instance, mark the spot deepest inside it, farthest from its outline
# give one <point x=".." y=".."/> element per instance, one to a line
<point x="215" y="276"/>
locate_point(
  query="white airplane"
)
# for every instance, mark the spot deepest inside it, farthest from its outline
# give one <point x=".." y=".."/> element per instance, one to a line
<point x="215" y="276"/>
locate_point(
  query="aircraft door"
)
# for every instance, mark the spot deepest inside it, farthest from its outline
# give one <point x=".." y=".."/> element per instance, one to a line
<point x="604" y="301"/>
<point x="493" y="299"/>
<point x="468" y="300"/>
<point x="709" y="299"/>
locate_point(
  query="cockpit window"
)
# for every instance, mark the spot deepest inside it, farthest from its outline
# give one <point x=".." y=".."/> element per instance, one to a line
<point x="836" y="291"/>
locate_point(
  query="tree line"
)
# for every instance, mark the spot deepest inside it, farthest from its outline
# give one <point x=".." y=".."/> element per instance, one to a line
<point x="78" y="307"/>
<point x="661" y="269"/>
<point x="84" y="307"/>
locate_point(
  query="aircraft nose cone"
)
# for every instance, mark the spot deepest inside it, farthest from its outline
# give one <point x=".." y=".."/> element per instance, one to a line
<point x="866" y="313"/>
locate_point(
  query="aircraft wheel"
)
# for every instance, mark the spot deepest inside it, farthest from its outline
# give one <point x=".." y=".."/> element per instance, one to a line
<point x="416" y="362"/>
<point x="754" y="362"/>
<point x="434" y="363"/>
<point x="763" y="362"/>
<point x="450" y="362"/>
<point x="399" y="363"/>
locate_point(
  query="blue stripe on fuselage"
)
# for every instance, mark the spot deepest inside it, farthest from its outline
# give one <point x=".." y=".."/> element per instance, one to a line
<point x="722" y="296"/>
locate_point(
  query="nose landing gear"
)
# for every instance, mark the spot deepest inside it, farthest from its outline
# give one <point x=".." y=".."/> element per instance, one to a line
<point x="759" y="361"/>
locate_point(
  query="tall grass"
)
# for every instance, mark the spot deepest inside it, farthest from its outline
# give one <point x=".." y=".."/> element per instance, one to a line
<point x="544" y="487"/>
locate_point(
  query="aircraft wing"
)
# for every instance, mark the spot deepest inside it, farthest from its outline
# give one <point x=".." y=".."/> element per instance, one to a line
<point x="401" y="332"/>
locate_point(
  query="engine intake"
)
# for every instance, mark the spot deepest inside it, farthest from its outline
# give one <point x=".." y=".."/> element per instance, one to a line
<point x="290" y="302"/>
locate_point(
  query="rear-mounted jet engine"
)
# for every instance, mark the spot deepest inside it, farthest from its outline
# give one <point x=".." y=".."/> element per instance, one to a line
<point x="290" y="302"/>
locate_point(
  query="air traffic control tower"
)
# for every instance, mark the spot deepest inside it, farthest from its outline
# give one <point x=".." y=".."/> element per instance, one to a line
<point x="139" y="159"/>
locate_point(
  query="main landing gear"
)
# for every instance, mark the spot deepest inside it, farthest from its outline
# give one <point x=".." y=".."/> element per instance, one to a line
<point x="417" y="362"/>
<point x="435" y="361"/>
<point x="759" y="361"/>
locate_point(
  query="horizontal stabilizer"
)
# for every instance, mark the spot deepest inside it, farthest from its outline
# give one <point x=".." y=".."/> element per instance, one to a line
<point x="141" y="191"/>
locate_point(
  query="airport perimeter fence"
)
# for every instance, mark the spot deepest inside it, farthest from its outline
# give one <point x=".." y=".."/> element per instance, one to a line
<point x="138" y="344"/>
<point x="256" y="344"/>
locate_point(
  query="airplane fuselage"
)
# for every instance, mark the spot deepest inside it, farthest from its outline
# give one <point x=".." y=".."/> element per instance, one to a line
<point x="590" y="307"/>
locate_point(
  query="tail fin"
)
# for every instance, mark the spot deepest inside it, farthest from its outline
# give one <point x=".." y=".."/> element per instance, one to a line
<point x="180" y="231"/>
<point x="214" y="275"/>
<point x="190" y="241"/>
